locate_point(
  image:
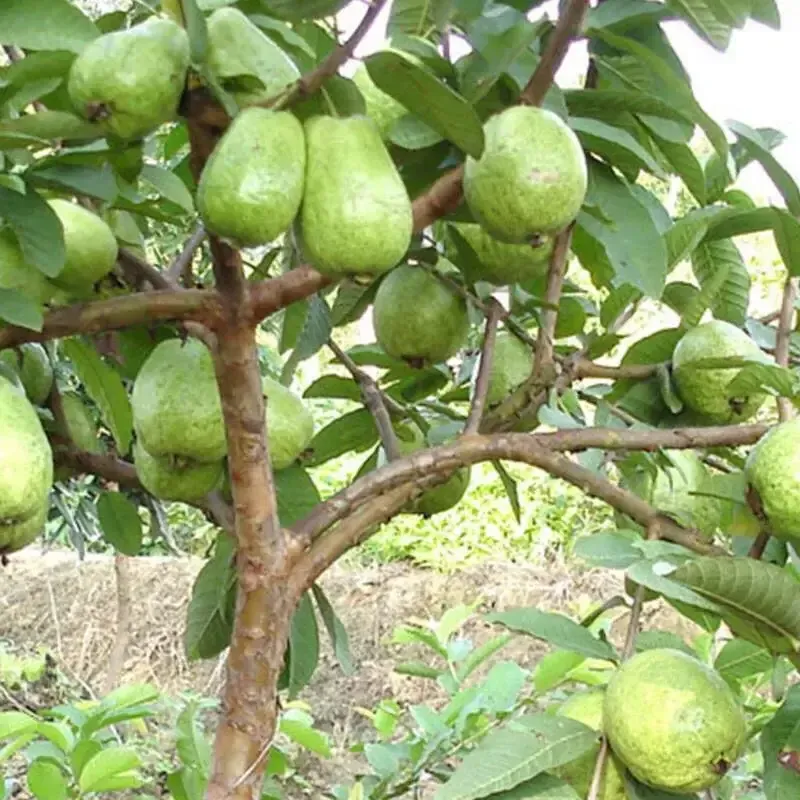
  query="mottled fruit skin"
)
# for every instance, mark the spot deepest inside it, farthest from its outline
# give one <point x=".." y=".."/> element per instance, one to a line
<point x="587" y="707"/>
<point x="310" y="9"/>
<point x="241" y="56"/>
<point x="356" y="215"/>
<point x="15" y="273"/>
<point x="175" y="479"/>
<point x="673" y="721"/>
<point x="417" y="318"/>
<point x="26" y="465"/>
<point x="773" y="470"/>
<point x="80" y="427"/>
<point x="15" y="536"/>
<point x="176" y="405"/>
<point x="251" y="188"/>
<point x="511" y="367"/>
<point x="531" y="178"/>
<point x="33" y="367"/>
<point x="290" y="425"/>
<point x="131" y="81"/>
<point x="504" y="263"/>
<point x="705" y="390"/>
<point x="382" y="108"/>
<point x="91" y="249"/>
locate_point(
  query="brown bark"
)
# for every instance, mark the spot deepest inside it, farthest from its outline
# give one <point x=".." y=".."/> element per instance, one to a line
<point x="119" y="649"/>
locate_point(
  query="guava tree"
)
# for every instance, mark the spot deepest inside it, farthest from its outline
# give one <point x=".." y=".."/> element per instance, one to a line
<point x="178" y="183"/>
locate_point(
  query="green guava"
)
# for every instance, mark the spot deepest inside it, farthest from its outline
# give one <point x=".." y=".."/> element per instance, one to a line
<point x="587" y="707"/>
<point x="706" y="390"/>
<point x="251" y="187"/>
<point x="309" y="9"/>
<point x="773" y="471"/>
<point x="177" y="479"/>
<point x="16" y="535"/>
<point x="131" y="81"/>
<point x="245" y="61"/>
<point x="80" y="427"/>
<point x="511" y="367"/>
<point x="176" y="404"/>
<point x="16" y="273"/>
<point x="417" y="318"/>
<point x="504" y="263"/>
<point x="91" y="249"/>
<point x="382" y="108"/>
<point x="31" y="363"/>
<point x="290" y="426"/>
<point x="26" y="466"/>
<point x="532" y="177"/>
<point x="673" y="721"/>
<point x="356" y="216"/>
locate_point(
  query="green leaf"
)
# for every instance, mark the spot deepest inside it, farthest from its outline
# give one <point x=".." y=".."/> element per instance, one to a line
<point x="424" y="95"/>
<point x="83" y="179"/>
<point x="701" y="17"/>
<point x="687" y="166"/>
<point x="297" y="494"/>
<point x="418" y="17"/>
<point x="336" y="630"/>
<point x="781" y="783"/>
<point x="197" y="30"/>
<point x="303" y="645"/>
<point x="45" y="25"/>
<point x="46" y="781"/>
<point x="316" y="329"/>
<point x="754" y="378"/>
<point x="334" y="386"/>
<point x="512" y="492"/>
<point x="104" y="386"/>
<point x="119" y="519"/>
<point x="51" y="125"/>
<point x="740" y="659"/>
<point x="352" y="300"/>
<point x="686" y="234"/>
<point x="556" y="629"/>
<point x="14" y="723"/>
<point x="608" y="550"/>
<point x="542" y="787"/>
<point x="18" y="309"/>
<point x="766" y="12"/>
<point x="656" y="640"/>
<point x="554" y="668"/>
<point x="724" y="283"/>
<point x="614" y="144"/>
<point x="110" y="762"/>
<point x="353" y="431"/>
<point x="37" y="227"/>
<point x="302" y="733"/>
<point x="787" y="238"/>
<point x="603" y="103"/>
<point x="168" y="185"/>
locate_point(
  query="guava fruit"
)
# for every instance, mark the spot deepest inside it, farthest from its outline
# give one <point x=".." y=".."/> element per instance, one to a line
<point x="16" y="273"/>
<point x="309" y="9"/>
<point x="31" y="363"/>
<point x="706" y="390"/>
<point x="178" y="479"/>
<point x="532" y="177"/>
<point x="382" y="108"/>
<point x="504" y="263"/>
<point x="417" y="318"/>
<point x="80" y="427"/>
<point x="245" y="61"/>
<point x="290" y="426"/>
<point x="131" y="81"/>
<point x="176" y="405"/>
<point x="773" y="471"/>
<point x="511" y="367"/>
<point x="587" y="707"/>
<point x="91" y="249"/>
<point x="356" y="215"/>
<point x="15" y="536"/>
<point x="251" y="187"/>
<point x="673" y="721"/>
<point x="26" y="468"/>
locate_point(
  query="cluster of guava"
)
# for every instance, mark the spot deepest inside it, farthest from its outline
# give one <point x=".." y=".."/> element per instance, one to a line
<point x="670" y="720"/>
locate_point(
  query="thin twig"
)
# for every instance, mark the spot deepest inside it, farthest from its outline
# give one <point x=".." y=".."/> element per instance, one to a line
<point x="484" y="369"/>
<point x="599" y="771"/>
<point x="782" y="341"/>
<point x="759" y="545"/>
<point x="155" y="277"/>
<point x="180" y="270"/>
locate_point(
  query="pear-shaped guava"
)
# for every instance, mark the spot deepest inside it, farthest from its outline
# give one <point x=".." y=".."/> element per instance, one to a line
<point x="356" y="215"/>
<point x="705" y="391"/>
<point x="673" y="721"/>
<point x="587" y="707"/>
<point x="417" y="318"/>
<point x="31" y="363"/>
<point x="130" y="81"/>
<point x="16" y="273"/>
<point x="16" y="535"/>
<point x="246" y="62"/>
<point x="512" y="365"/>
<point x="381" y="108"/>
<point x="251" y="187"/>
<point x="91" y="249"/>
<point x="176" y="405"/>
<point x="532" y="177"/>
<point x="80" y="427"/>
<point x="290" y="426"/>
<point x="309" y="9"/>
<point x="180" y="480"/>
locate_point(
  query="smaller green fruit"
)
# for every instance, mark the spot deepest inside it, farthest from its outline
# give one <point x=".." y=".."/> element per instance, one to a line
<point x="16" y="274"/>
<point x="382" y="108"/>
<point x="290" y="426"/>
<point x="511" y="367"/>
<point x="175" y="479"/>
<point x="80" y="427"/>
<point x="31" y="363"/>
<point x="16" y="535"/>
<point x="417" y="318"/>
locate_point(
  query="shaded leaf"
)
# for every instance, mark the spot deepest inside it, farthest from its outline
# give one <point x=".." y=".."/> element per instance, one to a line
<point x="614" y="144"/>
<point x="303" y="645"/>
<point x="336" y="630"/>
<point x="701" y="16"/>
<point x="724" y="282"/>
<point x="297" y="494"/>
<point x="781" y="783"/>
<point x="37" y="227"/>
<point x="740" y="659"/>
<point x="608" y="550"/>
<point x="512" y="492"/>
<point x="119" y="519"/>
<point x="18" y="309"/>
<point x="353" y="431"/>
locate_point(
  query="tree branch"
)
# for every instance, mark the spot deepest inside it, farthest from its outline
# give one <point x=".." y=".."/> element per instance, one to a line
<point x="440" y="199"/>
<point x="267" y="297"/>
<point x="584" y="368"/>
<point x="145" y="271"/>
<point x="785" y="412"/>
<point x="180" y="270"/>
<point x="107" y="467"/>
<point x="484" y="369"/>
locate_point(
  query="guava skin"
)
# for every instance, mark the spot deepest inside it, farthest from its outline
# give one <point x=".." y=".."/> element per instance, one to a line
<point x="290" y="425"/>
<point x="511" y="367"/>
<point x="177" y="480"/>
<point x="33" y="367"/>
<point x="91" y="249"/>
<point x="673" y="721"/>
<point x="532" y="176"/>
<point x="79" y="423"/>
<point x="15" y="536"/>
<point x="176" y="405"/>
<point x="26" y="461"/>
<point x="15" y="273"/>
<point x="417" y="318"/>
<point x="704" y="390"/>
<point x="381" y="108"/>
<point x="506" y="263"/>
<point x="237" y="48"/>
<point x="356" y="216"/>
<point x="587" y="707"/>
<point x="131" y="81"/>
<point x="252" y="185"/>
<point x="773" y="471"/>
